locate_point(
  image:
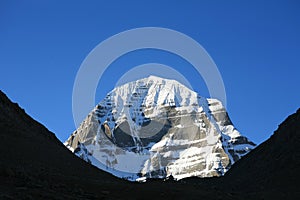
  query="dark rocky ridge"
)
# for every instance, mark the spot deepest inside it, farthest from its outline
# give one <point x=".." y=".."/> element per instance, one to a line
<point x="33" y="161"/>
<point x="273" y="167"/>
<point x="34" y="164"/>
<point x="271" y="170"/>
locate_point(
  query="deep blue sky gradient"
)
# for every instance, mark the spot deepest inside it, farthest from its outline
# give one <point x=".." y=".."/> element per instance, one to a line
<point x="255" y="44"/>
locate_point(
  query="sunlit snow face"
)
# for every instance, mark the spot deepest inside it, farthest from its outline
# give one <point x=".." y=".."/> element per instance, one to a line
<point x="156" y="127"/>
<point x="138" y="114"/>
<point x="142" y="110"/>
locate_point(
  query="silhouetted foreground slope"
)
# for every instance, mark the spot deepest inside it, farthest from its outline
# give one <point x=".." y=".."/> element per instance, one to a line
<point x="32" y="159"/>
<point x="34" y="164"/>
<point x="272" y="169"/>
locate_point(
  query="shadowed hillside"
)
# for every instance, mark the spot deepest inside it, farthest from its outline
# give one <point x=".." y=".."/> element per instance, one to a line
<point x="273" y="167"/>
<point x="270" y="171"/>
<point x="34" y="164"/>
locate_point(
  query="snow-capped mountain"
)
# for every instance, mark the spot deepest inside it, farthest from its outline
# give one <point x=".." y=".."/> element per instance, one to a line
<point x="155" y="128"/>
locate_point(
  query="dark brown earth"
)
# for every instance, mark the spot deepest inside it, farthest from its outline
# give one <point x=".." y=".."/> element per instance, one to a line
<point x="34" y="164"/>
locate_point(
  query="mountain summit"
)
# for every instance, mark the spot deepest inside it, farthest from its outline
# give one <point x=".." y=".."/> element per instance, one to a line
<point x="155" y="128"/>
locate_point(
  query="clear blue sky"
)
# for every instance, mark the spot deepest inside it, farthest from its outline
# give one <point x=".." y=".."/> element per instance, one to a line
<point x="255" y="45"/>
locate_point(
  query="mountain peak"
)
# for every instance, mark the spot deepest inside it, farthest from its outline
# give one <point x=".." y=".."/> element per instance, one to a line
<point x="156" y="80"/>
<point x="156" y="127"/>
<point x="153" y="77"/>
<point x="161" y="80"/>
<point x="154" y="90"/>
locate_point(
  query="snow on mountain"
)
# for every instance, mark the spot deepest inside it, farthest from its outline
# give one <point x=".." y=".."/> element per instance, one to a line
<point x="155" y="128"/>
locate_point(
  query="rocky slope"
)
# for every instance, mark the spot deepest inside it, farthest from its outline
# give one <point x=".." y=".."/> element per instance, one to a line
<point x="155" y="128"/>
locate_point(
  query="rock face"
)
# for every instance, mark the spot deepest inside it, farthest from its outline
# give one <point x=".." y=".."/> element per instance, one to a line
<point x="156" y="128"/>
